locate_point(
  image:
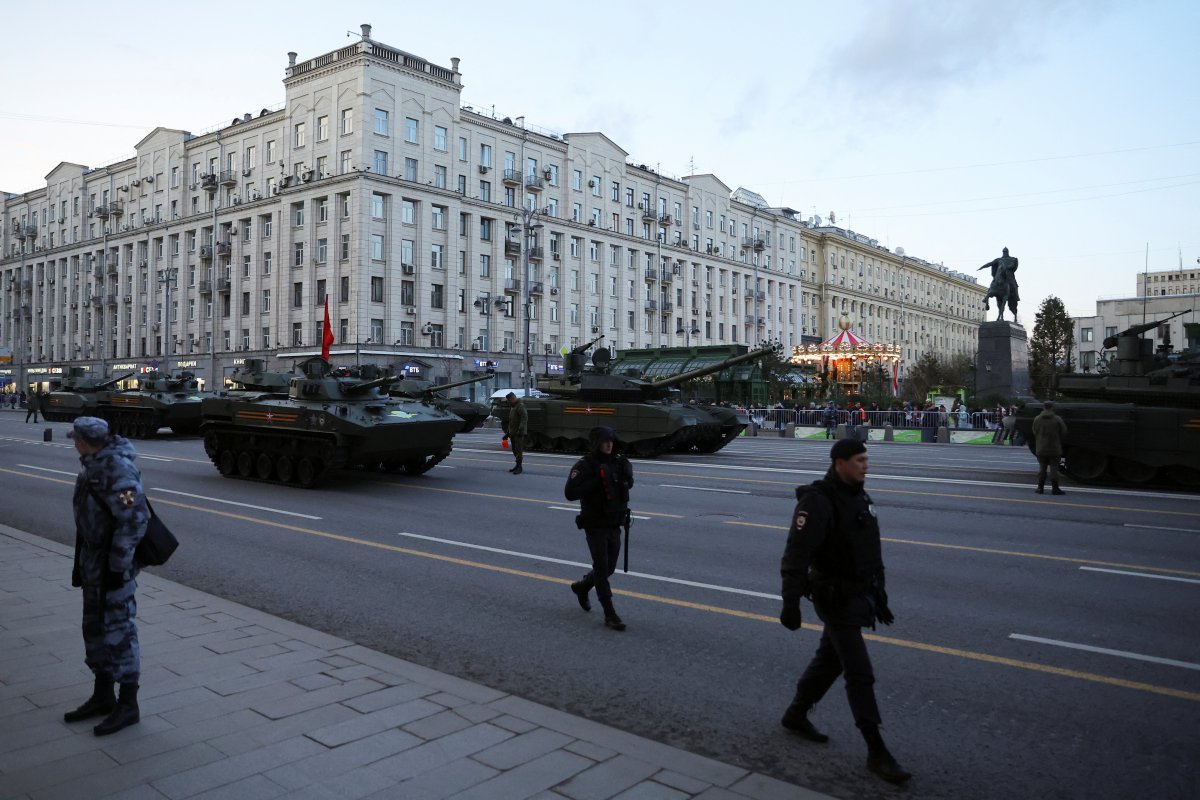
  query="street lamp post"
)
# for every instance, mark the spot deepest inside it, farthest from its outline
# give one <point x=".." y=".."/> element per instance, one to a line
<point x="167" y="278"/>
<point x="528" y="229"/>
<point x="687" y="332"/>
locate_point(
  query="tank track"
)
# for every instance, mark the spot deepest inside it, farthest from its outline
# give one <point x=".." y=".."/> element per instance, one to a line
<point x="286" y="458"/>
<point x="133" y="423"/>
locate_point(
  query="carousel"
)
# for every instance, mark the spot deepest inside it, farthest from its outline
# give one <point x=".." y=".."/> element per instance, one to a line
<point x="852" y="364"/>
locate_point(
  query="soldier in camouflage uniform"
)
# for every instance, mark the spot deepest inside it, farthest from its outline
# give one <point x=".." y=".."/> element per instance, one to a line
<point x="110" y="519"/>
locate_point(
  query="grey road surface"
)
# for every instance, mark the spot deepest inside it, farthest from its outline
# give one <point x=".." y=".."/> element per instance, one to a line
<point x="1044" y="646"/>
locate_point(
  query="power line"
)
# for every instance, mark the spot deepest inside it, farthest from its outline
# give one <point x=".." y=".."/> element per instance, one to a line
<point x="65" y="121"/>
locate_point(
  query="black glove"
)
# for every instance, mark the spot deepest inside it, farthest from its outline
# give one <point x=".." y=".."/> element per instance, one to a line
<point x="882" y="612"/>
<point x="114" y="580"/>
<point x="790" y="618"/>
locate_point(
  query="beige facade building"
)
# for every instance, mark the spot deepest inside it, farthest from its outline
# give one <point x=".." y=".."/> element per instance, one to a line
<point x="1114" y="315"/>
<point x="432" y="230"/>
<point x="1168" y="282"/>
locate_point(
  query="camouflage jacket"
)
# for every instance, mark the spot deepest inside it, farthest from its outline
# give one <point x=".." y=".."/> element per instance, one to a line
<point x="517" y="421"/>
<point x="110" y="513"/>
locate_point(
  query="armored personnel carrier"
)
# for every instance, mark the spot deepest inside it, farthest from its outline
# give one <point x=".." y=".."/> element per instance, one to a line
<point x="326" y="421"/>
<point x="1136" y="423"/>
<point x="471" y="413"/>
<point x="160" y="401"/>
<point x="648" y="416"/>
<point x="80" y="395"/>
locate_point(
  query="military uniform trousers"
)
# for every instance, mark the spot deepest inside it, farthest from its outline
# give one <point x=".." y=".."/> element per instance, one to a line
<point x="1048" y="464"/>
<point x="604" y="544"/>
<point x="109" y="634"/>
<point x="842" y="650"/>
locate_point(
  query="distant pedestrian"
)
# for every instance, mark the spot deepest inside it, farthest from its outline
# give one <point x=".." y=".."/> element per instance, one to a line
<point x="516" y="428"/>
<point x="834" y="557"/>
<point x="830" y="420"/>
<point x="601" y="481"/>
<point x="1049" y="430"/>
<point x="110" y="519"/>
<point x="33" y="405"/>
<point x="22" y="397"/>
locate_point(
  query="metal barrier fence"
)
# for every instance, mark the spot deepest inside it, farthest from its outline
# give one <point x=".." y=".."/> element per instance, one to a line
<point x="897" y="418"/>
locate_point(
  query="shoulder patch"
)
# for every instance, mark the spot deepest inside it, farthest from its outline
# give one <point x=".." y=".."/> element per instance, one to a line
<point x="128" y="498"/>
<point x="800" y="520"/>
<point x="574" y="474"/>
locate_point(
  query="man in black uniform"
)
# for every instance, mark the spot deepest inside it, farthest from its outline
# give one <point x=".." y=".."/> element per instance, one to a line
<point x="833" y="556"/>
<point x="601" y="481"/>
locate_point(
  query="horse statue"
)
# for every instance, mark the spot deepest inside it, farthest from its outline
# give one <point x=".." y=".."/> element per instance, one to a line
<point x="1004" y="285"/>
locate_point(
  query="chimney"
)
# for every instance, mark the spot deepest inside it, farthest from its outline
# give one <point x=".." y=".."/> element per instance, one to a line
<point x="366" y="32"/>
<point x="454" y="64"/>
<point x="291" y="59"/>
<point x="246" y="117"/>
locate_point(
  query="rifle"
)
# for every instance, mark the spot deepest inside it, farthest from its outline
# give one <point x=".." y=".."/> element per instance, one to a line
<point x="627" y="523"/>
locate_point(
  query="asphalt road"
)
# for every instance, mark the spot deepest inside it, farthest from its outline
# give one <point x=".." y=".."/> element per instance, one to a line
<point x="1044" y="646"/>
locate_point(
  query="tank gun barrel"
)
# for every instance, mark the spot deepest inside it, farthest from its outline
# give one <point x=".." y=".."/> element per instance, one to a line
<point x="583" y="348"/>
<point x="700" y="372"/>
<point x="1138" y="330"/>
<point x="361" y="388"/>
<point x="463" y="382"/>
<point x="113" y="381"/>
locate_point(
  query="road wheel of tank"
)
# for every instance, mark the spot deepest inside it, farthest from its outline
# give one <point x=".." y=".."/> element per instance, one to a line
<point x="264" y="466"/>
<point x="226" y="462"/>
<point x="308" y="472"/>
<point x="392" y="466"/>
<point x="418" y="466"/>
<point x="1133" y="471"/>
<point x="1086" y="465"/>
<point x="245" y="463"/>
<point x="284" y="468"/>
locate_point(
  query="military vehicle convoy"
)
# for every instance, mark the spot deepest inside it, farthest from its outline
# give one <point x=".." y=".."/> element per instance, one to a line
<point x="160" y="401"/>
<point x="80" y="395"/>
<point x="326" y="421"/>
<point x="648" y="416"/>
<point x="471" y="413"/>
<point x="1137" y="423"/>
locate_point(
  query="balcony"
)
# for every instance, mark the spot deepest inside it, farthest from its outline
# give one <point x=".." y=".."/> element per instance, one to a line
<point x="228" y="177"/>
<point x="666" y="307"/>
<point x="648" y="215"/>
<point x="749" y="319"/>
<point x="512" y="285"/>
<point x="98" y="271"/>
<point x="651" y="274"/>
<point x="760" y="295"/>
<point x="535" y="287"/>
<point x="512" y="177"/>
<point x="102" y="211"/>
<point x="31" y="230"/>
<point x="223" y="285"/>
<point x="116" y="208"/>
<point x="651" y="305"/>
<point x="206" y="251"/>
<point x="112" y="267"/>
<point x="111" y="300"/>
<point x="97" y="300"/>
<point x="208" y="182"/>
<point x="224" y="248"/>
<point x="26" y="310"/>
<point x="535" y="253"/>
<point x="534" y="183"/>
<point x="668" y="277"/>
<point x="27" y="285"/>
<point x="512" y="248"/>
<point x="206" y="287"/>
<point x="664" y="220"/>
<point x="753" y="243"/>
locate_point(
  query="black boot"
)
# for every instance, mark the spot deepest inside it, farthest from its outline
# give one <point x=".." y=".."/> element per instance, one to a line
<point x="795" y="719"/>
<point x="879" y="760"/>
<point x="1055" y="489"/>
<point x="100" y="703"/>
<point x="611" y="619"/>
<point x="1041" y="486"/>
<point x="581" y="594"/>
<point x="124" y="714"/>
<point x="517" y="470"/>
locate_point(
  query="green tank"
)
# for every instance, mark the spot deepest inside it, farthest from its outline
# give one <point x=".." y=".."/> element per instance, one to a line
<point x="648" y="416"/>
<point x="1138" y="422"/>
<point x="327" y="420"/>
<point x="470" y="412"/>
<point x="253" y="380"/>
<point x="160" y="401"/>
<point x="79" y="395"/>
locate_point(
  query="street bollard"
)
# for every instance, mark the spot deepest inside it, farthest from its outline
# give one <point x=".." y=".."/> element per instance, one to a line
<point x="943" y="435"/>
<point x="840" y="431"/>
<point x="889" y="435"/>
<point x="789" y="431"/>
<point x="48" y="435"/>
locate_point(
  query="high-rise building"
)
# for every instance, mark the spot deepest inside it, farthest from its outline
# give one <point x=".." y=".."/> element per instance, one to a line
<point x="435" y="232"/>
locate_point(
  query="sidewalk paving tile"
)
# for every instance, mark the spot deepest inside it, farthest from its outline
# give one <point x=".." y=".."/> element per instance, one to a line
<point x="255" y="787"/>
<point x="521" y="749"/>
<point x="648" y="790"/>
<point x="602" y="781"/>
<point x="389" y="696"/>
<point x="228" y="770"/>
<point x="529" y="778"/>
<point x="374" y="722"/>
<point x="438" y="725"/>
<point x="440" y="752"/>
<point x="445" y="781"/>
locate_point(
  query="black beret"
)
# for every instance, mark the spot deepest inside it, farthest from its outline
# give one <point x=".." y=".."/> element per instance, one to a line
<point x="846" y="448"/>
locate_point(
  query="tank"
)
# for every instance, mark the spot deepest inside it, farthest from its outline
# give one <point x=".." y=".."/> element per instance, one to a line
<point x="79" y="395"/>
<point x="160" y="401"/>
<point x="1137" y="423"/>
<point x="327" y="421"/>
<point x="648" y="416"/>
<point x="470" y="412"/>
<point x="253" y="380"/>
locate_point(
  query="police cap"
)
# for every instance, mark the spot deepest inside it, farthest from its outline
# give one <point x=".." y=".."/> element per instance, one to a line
<point x="90" y="429"/>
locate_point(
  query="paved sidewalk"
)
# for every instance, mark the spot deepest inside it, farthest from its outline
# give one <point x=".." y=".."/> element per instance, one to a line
<point x="240" y="704"/>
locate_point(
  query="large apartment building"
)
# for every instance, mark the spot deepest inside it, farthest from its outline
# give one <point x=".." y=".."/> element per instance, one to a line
<point x="432" y="231"/>
<point x="1168" y="282"/>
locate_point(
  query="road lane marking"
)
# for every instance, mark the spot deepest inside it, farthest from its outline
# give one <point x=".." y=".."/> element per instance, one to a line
<point x="1141" y="574"/>
<point x="992" y="551"/>
<point x="1170" y="662"/>
<point x="145" y="457"/>
<point x="1162" y="528"/>
<point x="47" y="469"/>
<point x="703" y="489"/>
<point x="401" y="485"/>
<point x="643" y="575"/>
<point x="234" y="503"/>
<point x="576" y="510"/>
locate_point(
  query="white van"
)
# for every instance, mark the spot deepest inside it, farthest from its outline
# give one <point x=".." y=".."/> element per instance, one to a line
<point x="500" y="394"/>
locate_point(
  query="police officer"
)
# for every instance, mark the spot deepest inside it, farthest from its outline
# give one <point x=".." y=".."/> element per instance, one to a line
<point x="516" y="428"/>
<point x="601" y="481"/>
<point x="110" y="520"/>
<point x="833" y="556"/>
<point x="33" y="406"/>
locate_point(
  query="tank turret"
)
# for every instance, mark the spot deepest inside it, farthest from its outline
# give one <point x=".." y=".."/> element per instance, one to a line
<point x="471" y="413"/>
<point x="253" y="377"/>
<point x="161" y="400"/>
<point x="79" y="395"/>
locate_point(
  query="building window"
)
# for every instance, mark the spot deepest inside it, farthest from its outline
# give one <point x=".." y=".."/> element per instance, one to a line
<point x="344" y="290"/>
<point x="376" y="289"/>
<point x="347" y="125"/>
<point x="377" y="247"/>
<point x="297" y="294"/>
<point x="408" y="212"/>
<point x="410" y="169"/>
<point x="298" y="137"/>
<point x="377" y="206"/>
<point x="1085" y="335"/>
<point x="377" y="331"/>
<point x="381" y="121"/>
<point x="297" y="334"/>
<point x="437" y="295"/>
<point x="344" y="164"/>
<point x="407" y="293"/>
<point x="381" y="162"/>
<point x="439" y="138"/>
<point x="322" y="250"/>
<point x="411" y="130"/>
<point x="266" y="300"/>
<point x="321" y="293"/>
<point x="322" y="129"/>
<point x="299" y="255"/>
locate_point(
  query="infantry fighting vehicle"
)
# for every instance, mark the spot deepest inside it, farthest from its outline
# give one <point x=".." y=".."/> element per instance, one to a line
<point x="1139" y="421"/>
<point x="80" y="395"/>
<point x="471" y="413"/>
<point x="253" y="380"/>
<point x="160" y="401"/>
<point x="326" y="421"/>
<point x="648" y="416"/>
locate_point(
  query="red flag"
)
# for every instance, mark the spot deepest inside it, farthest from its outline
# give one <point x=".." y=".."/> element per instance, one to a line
<point x="326" y="333"/>
<point x="895" y="378"/>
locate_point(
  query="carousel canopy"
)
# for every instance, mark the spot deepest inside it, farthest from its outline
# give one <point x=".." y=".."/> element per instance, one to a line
<point x="844" y="345"/>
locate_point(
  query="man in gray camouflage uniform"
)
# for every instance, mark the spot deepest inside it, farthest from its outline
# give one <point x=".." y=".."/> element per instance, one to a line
<point x="110" y="519"/>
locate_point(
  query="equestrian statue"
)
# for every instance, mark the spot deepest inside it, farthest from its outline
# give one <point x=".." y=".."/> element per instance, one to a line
<point x="1004" y="284"/>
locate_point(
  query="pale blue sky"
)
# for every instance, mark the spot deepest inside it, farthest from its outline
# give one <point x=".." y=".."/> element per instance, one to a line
<point x="1067" y="131"/>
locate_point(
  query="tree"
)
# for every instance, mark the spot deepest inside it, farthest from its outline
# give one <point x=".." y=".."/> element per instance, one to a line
<point x="922" y="376"/>
<point x="1050" y="348"/>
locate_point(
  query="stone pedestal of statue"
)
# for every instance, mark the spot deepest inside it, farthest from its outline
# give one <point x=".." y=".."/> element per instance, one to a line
<point x="1002" y="366"/>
